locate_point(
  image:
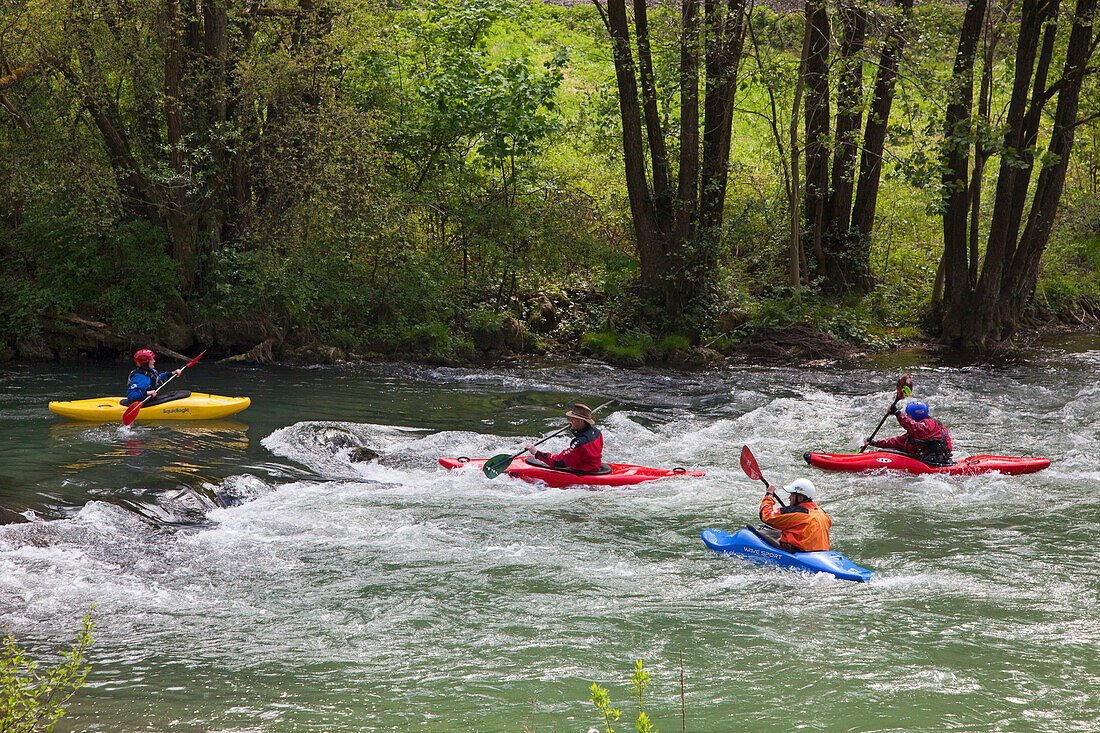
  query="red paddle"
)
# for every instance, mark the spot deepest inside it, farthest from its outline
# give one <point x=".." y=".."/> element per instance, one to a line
<point x="752" y="469"/>
<point x="131" y="412"/>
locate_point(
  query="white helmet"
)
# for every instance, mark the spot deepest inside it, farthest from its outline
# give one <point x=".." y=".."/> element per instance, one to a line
<point x="802" y="486"/>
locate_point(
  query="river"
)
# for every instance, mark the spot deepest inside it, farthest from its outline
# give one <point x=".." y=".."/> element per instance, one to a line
<point x="394" y="595"/>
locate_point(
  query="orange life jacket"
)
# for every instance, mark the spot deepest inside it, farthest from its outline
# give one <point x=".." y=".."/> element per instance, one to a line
<point x="805" y="526"/>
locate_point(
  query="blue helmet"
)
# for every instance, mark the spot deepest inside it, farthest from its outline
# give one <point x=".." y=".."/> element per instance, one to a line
<point x="917" y="410"/>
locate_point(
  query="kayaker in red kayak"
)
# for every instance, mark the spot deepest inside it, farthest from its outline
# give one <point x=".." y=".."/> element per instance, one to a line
<point x="585" y="451"/>
<point x="925" y="438"/>
<point x="802" y="526"/>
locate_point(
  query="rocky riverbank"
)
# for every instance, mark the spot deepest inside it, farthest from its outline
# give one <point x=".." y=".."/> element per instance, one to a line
<point x="525" y="330"/>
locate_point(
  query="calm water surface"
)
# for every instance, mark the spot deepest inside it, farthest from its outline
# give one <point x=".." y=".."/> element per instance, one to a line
<point x="397" y="596"/>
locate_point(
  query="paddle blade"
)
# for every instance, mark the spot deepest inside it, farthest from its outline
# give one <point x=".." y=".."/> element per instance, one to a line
<point x="749" y="465"/>
<point x="497" y="465"/>
<point x="131" y="413"/>
<point x="905" y="386"/>
<point x="193" y="360"/>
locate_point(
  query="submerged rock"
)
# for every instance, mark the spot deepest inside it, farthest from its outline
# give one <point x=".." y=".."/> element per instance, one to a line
<point x="361" y="455"/>
<point x="340" y="440"/>
<point x="7" y="516"/>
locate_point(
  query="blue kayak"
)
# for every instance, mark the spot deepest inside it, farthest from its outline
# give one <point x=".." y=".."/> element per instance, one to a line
<point x="747" y="544"/>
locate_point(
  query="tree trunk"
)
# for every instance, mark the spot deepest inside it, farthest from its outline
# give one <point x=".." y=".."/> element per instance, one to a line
<point x="725" y="37"/>
<point x="982" y="151"/>
<point x="981" y="319"/>
<point x="725" y="41"/>
<point x="1020" y="277"/>
<point x="849" y="115"/>
<point x="797" y="251"/>
<point x="676" y="252"/>
<point x="956" y="169"/>
<point x="687" y="271"/>
<point x="987" y="314"/>
<point x="874" y="136"/>
<point x="817" y="123"/>
<point x="650" y="251"/>
<point x="655" y="134"/>
<point x="847" y="257"/>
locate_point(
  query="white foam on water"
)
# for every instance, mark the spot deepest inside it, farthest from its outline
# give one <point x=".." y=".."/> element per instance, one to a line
<point x="395" y="584"/>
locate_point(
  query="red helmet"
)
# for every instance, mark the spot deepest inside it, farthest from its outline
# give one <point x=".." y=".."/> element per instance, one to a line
<point x="144" y="356"/>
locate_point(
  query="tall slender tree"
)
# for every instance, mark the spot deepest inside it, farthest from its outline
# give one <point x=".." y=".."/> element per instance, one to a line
<point x="980" y="314"/>
<point x="839" y="204"/>
<point x="157" y="80"/>
<point x="678" y="230"/>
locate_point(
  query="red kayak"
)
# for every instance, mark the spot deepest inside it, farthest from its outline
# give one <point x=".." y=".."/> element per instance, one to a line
<point x="880" y="459"/>
<point x="611" y="474"/>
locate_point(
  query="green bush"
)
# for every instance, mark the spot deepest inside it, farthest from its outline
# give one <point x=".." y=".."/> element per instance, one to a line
<point x="120" y="274"/>
<point x="31" y="699"/>
<point x="618" y="348"/>
<point x="673" y="343"/>
<point x="602" y="700"/>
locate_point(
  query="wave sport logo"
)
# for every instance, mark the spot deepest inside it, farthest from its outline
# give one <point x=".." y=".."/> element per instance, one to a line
<point x="178" y="409"/>
<point x="761" y="553"/>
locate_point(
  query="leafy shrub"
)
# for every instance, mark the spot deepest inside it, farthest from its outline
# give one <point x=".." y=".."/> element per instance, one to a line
<point x="602" y="700"/>
<point x="32" y="700"/>
<point x="617" y="348"/>
<point x="673" y="343"/>
<point x="120" y="274"/>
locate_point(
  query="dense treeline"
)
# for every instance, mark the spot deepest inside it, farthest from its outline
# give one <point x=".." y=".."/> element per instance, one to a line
<point x="453" y="177"/>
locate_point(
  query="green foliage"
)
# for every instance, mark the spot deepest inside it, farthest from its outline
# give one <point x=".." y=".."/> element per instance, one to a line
<point x="120" y="274"/>
<point x="405" y="165"/>
<point x="625" y="349"/>
<point x="33" y="699"/>
<point x="1070" y="264"/>
<point x="602" y="700"/>
<point x="673" y="343"/>
<point x="638" y="682"/>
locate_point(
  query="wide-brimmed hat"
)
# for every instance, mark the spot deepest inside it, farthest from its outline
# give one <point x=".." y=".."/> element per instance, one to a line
<point x="581" y="412"/>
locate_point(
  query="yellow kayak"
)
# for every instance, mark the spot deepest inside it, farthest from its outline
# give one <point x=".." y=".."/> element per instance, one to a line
<point x="197" y="406"/>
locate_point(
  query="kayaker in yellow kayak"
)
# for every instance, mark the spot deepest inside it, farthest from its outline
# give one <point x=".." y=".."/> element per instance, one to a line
<point x="145" y="380"/>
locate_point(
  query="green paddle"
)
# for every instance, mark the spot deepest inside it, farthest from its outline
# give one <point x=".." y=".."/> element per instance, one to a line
<point x="499" y="463"/>
<point x="905" y="388"/>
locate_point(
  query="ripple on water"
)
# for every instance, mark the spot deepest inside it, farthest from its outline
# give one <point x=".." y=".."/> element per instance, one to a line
<point x="396" y="595"/>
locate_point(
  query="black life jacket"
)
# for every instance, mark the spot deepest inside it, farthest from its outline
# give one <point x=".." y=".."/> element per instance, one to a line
<point x="153" y="378"/>
<point x="935" y="451"/>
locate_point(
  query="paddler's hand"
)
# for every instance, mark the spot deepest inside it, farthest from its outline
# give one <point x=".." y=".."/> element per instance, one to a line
<point x="893" y="409"/>
<point x="177" y="372"/>
<point x="150" y="393"/>
<point x="771" y="489"/>
<point x="529" y="448"/>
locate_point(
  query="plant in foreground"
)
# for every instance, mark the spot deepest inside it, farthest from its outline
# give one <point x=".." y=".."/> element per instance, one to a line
<point x="602" y="700"/>
<point x="33" y="700"/>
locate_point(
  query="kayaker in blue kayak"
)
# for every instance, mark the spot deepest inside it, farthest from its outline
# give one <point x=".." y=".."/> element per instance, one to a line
<point x="802" y="526"/>
<point x="585" y="451"/>
<point x="145" y="380"/>
<point x="926" y="438"/>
